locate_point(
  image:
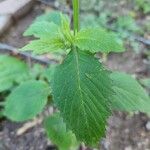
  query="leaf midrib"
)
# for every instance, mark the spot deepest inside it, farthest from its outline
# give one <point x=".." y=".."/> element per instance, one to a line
<point x="78" y="80"/>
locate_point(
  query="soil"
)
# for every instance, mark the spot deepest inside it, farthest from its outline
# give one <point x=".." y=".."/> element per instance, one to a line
<point x="125" y="131"/>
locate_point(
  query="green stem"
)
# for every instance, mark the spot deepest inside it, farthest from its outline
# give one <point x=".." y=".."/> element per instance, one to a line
<point x="76" y="16"/>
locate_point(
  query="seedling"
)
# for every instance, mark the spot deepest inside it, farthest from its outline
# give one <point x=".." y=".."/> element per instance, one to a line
<point x="83" y="90"/>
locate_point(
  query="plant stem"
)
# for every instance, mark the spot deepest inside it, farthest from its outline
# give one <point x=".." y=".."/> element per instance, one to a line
<point x="76" y="16"/>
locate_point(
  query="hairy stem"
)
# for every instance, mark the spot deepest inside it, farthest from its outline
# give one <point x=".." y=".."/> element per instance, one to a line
<point x="76" y="16"/>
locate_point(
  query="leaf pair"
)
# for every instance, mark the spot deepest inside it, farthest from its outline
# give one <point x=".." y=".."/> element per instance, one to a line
<point x="56" y="35"/>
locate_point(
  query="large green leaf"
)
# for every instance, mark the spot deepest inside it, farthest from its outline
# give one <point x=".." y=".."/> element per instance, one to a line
<point x="12" y="71"/>
<point x="129" y="95"/>
<point x="81" y="89"/>
<point x="98" y="40"/>
<point x="26" y="101"/>
<point x="58" y="134"/>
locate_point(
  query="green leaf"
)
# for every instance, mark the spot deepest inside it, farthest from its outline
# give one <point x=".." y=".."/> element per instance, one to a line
<point x="129" y="95"/>
<point x="65" y="22"/>
<point x="81" y="89"/>
<point x="48" y="73"/>
<point x="26" y="101"/>
<point x="10" y="75"/>
<point x="65" y="29"/>
<point x="45" y="46"/>
<point x="98" y="40"/>
<point x="58" y="134"/>
<point x="42" y="30"/>
<point x="53" y="37"/>
<point x="36" y="71"/>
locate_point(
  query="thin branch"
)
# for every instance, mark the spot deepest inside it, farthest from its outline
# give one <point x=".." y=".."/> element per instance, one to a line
<point x="27" y="126"/>
<point x="4" y="48"/>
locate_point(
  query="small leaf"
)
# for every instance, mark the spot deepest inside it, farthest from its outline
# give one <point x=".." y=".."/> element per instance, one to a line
<point x="53" y="37"/>
<point x="26" y="101"/>
<point x="42" y="30"/>
<point x="58" y="134"/>
<point x="65" y="29"/>
<point x="129" y="95"/>
<point x="65" y="22"/>
<point x="81" y="89"/>
<point x="98" y="40"/>
<point x="45" y="46"/>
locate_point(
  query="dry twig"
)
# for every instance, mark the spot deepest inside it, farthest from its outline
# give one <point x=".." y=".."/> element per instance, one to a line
<point x="4" y="48"/>
<point x="28" y="126"/>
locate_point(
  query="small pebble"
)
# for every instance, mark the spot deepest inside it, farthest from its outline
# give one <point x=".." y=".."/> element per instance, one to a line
<point x="148" y="125"/>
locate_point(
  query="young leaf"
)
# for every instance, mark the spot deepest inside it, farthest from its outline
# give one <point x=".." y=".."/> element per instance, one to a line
<point x="81" y="88"/>
<point x="53" y="37"/>
<point x="98" y="40"/>
<point x="45" y="46"/>
<point x="10" y="75"/>
<point x="26" y="101"/>
<point x="129" y="95"/>
<point x="65" y="28"/>
<point x="44" y="30"/>
<point x="58" y="134"/>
